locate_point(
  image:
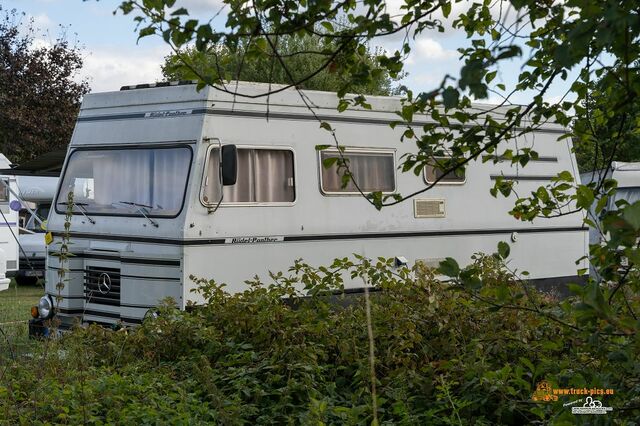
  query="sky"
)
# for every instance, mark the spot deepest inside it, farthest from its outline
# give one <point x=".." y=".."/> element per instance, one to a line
<point x="113" y="57"/>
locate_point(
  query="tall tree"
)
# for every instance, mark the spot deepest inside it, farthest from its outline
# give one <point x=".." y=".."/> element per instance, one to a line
<point x="39" y="94"/>
<point x="300" y="57"/>
<point x="598" y="145"/>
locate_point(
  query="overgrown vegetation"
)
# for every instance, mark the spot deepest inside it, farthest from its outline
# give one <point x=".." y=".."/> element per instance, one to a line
<point x="442" y="356"/>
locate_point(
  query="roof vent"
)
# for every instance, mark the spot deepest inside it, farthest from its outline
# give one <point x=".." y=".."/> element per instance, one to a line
<point x="427" y="208"/>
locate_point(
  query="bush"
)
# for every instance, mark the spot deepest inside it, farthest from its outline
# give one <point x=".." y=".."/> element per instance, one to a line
<point x="444" y="353"/>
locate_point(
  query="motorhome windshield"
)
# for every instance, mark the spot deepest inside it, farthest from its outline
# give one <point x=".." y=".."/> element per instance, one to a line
<point x="126" y="181"/>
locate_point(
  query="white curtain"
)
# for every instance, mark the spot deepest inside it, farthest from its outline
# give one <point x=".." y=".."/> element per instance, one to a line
<point x="150" y="177"/>
<point x="170" y="171"/>
<point x="123" y="176"/>
<point x="371" y="171"/>
<point x="273" y="173"/>
<point x="264" y="176"/>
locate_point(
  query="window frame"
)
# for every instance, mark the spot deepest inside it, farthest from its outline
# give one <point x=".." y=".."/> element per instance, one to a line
<point x="357" y="150"/>
<point x="205" y="173"/>
<point x="426" y="179"/>
<point x="4" y="191"/>
<point x="126" y="147"/>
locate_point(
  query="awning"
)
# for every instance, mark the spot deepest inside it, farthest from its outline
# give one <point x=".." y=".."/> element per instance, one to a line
<point x="49" y="164"/>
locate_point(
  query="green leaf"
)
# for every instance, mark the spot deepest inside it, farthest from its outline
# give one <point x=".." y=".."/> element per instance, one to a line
<point x="328" y="162"/>
<point x="449" y="267"/>
<point x="181" y="11"/>
<point x="450" y="97"/>
<point x="326" y="126"/>
<point x="503" y="249"/>
<point x="631" y="215"/>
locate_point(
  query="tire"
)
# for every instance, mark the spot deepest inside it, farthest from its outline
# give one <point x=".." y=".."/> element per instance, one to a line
<point x="23" y="280"/>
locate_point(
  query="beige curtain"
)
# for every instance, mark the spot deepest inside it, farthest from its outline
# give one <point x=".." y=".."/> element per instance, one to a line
<point x="264" y="176"/>
<point x="371" y="171"/>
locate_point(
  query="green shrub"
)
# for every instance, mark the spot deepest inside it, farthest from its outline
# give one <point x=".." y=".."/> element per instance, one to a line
<point x="467" y="352"/>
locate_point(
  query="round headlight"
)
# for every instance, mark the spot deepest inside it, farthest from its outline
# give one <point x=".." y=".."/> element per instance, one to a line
<point x="45" y="307"/>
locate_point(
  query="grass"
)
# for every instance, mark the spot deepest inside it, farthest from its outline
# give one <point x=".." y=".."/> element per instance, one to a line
<point x="15" y="312"/>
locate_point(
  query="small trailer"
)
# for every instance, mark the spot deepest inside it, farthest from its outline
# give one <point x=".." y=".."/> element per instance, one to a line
<point x="169" y="182"/>
<point x="9" y="248"/>
<point x="627" y="175"/>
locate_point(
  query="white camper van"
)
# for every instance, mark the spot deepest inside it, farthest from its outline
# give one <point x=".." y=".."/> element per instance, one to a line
<point x="150" y="210"/>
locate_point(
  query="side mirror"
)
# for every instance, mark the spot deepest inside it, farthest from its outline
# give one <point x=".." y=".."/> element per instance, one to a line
<point x="229" y="164"/>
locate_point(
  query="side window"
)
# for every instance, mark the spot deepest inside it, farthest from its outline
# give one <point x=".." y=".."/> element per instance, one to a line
<point x="264" y="176"/>
<point x="372" y="171"/>
<point x="434" y="169"/>
<point x="4" y="192"/>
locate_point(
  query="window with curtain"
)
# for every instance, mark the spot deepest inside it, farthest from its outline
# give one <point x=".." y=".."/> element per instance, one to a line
<point x="372" y="171"/>
<point x="4" y="192"/>
<point x="264" y="176"/>
<point x="123" y="181"/>
<point x="435" y="168"/>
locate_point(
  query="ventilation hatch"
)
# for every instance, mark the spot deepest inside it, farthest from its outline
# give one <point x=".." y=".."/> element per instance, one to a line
<point x="428" y="208"/>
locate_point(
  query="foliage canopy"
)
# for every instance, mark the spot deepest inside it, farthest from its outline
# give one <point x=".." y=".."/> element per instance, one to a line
<point x="300" y="57"/>
<point x="39" y="94"/>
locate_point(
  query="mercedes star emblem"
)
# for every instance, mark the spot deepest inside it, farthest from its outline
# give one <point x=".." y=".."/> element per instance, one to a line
<point x="104" y="283"/>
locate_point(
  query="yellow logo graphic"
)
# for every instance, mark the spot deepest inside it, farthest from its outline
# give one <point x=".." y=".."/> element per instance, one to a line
<point x="544" y="392"/>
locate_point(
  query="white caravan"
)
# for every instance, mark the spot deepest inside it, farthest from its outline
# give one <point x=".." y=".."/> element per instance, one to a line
<point x="144" y="168"/>
<point x="38" y="193"/>
<point x="8" y="226"/>
<point x="628" y="177"/>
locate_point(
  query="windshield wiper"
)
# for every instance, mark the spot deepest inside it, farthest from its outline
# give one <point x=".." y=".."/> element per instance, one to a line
<point x="140" y="208"/>
<point x="83" y="211"/>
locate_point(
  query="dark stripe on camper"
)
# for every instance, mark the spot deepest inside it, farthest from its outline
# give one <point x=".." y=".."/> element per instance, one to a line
<point x="69" y="311"/>
<point x="102" y="314"/>
<point x="522" y="177"/>
<point x="121" y="275"/>
<point x="298" y="238"/>
<point x="540" y="159"/>
<point x="97" y="300"/>
<point x="131" y="260"/>
<point x="101" y="301"/>
<point x="64" y="297"/>
<point x="275" y="116"/>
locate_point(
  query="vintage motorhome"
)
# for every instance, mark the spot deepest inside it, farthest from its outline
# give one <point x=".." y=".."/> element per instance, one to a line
<point x="150" y="209"/>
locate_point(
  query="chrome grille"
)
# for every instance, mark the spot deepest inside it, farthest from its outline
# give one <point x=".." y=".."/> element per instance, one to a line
<point x="102" y="285"/>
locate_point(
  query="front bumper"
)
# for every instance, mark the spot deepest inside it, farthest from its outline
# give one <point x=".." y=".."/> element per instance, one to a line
<point x="37" y="329"/>
<point x="40" y="328"/>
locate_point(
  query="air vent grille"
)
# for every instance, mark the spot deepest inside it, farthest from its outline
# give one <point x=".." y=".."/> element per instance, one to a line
<point x="428" y="208"/>
<point x="102" y="285"/>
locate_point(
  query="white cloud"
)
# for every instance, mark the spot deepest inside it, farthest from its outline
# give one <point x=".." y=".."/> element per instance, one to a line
<point x="200" y="6"/>
<point x="109" y="68"/>
<point x="429" y="49"/>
